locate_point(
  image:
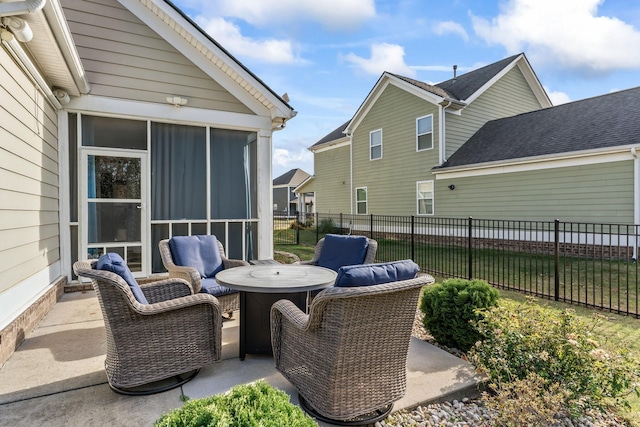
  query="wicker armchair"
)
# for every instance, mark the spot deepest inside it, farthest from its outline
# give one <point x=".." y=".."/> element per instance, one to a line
<point x="228" y="302"/>
<point x="347" y="358"/>
<point x="369" y="258"/>
<point x="165" y="342"/>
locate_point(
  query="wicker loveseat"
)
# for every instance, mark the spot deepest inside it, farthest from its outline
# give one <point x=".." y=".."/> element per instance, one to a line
<point x="228" y="298"/>
<point x="347" y="357"/>
<point x="164" y="341"/>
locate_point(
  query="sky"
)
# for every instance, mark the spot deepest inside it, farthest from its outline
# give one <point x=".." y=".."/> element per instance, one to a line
<point x="327" y="55"/>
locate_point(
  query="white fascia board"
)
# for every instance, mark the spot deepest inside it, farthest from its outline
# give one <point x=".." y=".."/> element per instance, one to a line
<point x="216" y="63"/>
<point x="166" y="113"/>
<point x="337" y="143"/>
<point x="491" y="82"/>
<point x="587" y="157"/>
<point x="385" y="80"/>
<point x="62" y="34"/>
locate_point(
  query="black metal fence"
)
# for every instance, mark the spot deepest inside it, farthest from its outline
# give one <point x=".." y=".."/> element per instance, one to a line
<point x="580" y="263"/>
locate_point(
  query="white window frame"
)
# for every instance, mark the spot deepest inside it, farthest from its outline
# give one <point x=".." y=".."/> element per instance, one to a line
<point x="365" y="201"/>
<point x="371" y="145"/>
<point x="425" y="133"/>
<point x="418" y="198"/>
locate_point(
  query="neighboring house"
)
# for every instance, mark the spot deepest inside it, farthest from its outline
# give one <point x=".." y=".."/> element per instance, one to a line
<point x="577" y="162"/>
<point x="380" y="161"/>
<point x="284" y="199"/>
<point x="122" y="123"/>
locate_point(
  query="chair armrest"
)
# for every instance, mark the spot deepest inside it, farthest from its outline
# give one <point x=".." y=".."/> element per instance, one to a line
<point x="291" y="313"/>
<point x="166" y="289"/>
<point x="231" y="263"/>
<point x="189" y="274"/>
<point x="284" y="314"/>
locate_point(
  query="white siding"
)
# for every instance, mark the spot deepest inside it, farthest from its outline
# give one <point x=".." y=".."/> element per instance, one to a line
<point x="29" y="240"/>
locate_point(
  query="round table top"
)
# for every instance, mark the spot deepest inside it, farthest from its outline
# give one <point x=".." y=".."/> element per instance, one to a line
<point x="281" y="278"/>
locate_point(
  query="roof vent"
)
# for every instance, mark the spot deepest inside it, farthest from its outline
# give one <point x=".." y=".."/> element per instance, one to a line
<point x="455" y="68"/>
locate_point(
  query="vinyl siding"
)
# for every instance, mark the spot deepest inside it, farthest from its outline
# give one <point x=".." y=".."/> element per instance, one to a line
<point x="29" y="228"/>
<point x="332" y="178"/>
<point x="509" y="96"/>
<point x="391" y="180"/>
<point x="601" y="193"/>
<point x="280" y="198"/>
<point x="124" y="58"/>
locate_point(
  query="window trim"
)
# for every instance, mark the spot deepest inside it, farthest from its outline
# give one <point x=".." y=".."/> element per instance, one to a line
<point x="433" y="198"/>
<point x="371" y="146"/>
<point x="366" y="200"/>
<point x="419" y="134"/>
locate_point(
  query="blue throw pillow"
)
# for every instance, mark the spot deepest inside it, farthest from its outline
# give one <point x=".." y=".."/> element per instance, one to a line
<point x="199" y="252"/>
<point x="376" y="274"/>
<point x="211" y="287"/>
<point x="338" y="251"/>
<point x="114" y="263"/>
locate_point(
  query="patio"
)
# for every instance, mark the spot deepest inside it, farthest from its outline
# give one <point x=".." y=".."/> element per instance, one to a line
<point x="56" y="377"/>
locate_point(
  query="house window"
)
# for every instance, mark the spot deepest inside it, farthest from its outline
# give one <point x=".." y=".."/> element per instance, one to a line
<point x="425" y="197"/>
<point x="375" y="144"/>
<point x="361" y="200"/>
<point x="424" y="133"/>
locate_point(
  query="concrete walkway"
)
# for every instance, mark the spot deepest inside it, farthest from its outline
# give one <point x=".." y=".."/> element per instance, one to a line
<point x="56" y="377"/>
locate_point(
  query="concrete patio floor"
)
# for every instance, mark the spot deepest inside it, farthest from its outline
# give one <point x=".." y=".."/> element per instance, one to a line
<point x="56" y="377"/>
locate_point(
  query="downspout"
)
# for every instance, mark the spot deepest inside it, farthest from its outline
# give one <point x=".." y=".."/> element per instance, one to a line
<point x="636" y="196"/>
<point x="21" y="7"/>
<point x="442" y="132"/>
<point x="350" y="135"/>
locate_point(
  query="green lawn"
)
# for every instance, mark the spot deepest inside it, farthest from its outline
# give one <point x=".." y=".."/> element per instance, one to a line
<point x="611" y="333"/>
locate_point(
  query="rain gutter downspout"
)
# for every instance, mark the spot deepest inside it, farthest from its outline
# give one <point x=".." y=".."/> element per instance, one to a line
<point x="21" y="7"/>
<point x="636" y="195"/>
<point x="442" y="131"/>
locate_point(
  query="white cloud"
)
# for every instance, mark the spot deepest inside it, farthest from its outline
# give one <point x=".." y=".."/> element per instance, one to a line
<point x="284" y="160"/>
<point x="229" y="36"/>
<point x="566" y="33"/>
<point x="557" y="97"/>
<point x="450" y="27"/>
<point x="333" y="14"/>
<point x="384" y="57"/>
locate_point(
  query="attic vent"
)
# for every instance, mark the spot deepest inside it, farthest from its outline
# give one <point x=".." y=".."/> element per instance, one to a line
<point x="455" y="68"/>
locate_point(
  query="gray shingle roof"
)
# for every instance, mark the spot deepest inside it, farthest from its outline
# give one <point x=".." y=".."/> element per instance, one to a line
<point x="465" y="85"/>
<point x="601" y="122"/>
<point x="335" y="134"/>
<point x="293" y="178"/>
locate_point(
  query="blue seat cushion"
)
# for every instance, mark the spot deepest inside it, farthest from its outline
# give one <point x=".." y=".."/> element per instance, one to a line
<point x="199" y="252"/>
<point x="338" y="251"/>
<point x="114" y="263"/>
<point x="211" y="287"/>
<point x="376" y="274"/>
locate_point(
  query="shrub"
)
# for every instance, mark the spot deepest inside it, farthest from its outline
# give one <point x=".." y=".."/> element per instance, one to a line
<point x="256" y="404"/>
<point x="327" y="226"/>
<point x="559" y="347"/>
<point x="451" y="307"/>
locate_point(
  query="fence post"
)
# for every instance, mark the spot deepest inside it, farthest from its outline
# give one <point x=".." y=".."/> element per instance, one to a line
<point x="298" y="225"/>
<point x="413" y="240"/>
<point x="470" y="247"/>
<point x="340" y="222"/>
<point x="317" y="227"/>
<point x="371" y="226"/>
<point x="556" y="249"/>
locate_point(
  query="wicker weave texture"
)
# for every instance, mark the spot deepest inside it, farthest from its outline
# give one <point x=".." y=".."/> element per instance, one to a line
<point x="175" y="333"/>
<point x="228" y="303"/>
<point x="369" y="258"/>
<point x="348" y="356"/>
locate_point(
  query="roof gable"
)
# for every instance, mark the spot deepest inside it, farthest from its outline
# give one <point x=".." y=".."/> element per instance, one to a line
<point x="601" y="122"/>
<point x="292" y="178"/>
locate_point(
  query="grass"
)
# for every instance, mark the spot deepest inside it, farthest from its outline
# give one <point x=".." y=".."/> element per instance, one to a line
<point x="616" y="330"/>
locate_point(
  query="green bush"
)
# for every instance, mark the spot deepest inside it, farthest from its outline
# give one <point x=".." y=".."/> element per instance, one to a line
<point x="559" y="347"/>
<point x="450" y="308"/>
<point x="327" y="226"/>
<point x="250" y="405"/>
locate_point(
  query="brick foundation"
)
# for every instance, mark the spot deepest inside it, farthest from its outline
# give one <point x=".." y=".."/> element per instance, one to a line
<point x="12" y="336"/>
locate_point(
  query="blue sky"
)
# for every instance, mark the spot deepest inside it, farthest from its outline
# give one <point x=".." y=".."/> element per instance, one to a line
<point x="328" y="54"/>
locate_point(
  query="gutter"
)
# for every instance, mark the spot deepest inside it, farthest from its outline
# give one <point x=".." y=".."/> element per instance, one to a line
<point x="21" y="7"/>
